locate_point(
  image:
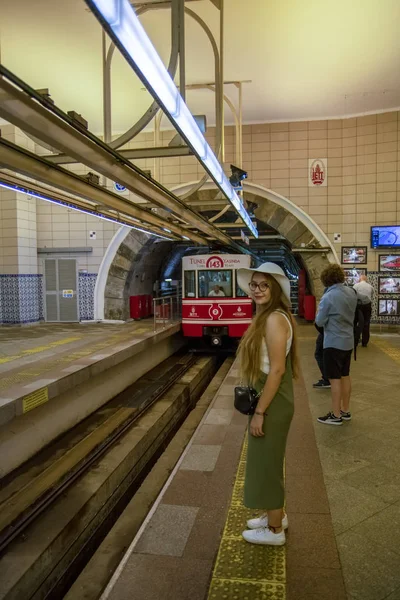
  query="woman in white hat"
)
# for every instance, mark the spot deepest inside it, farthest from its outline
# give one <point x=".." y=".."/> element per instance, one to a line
<point x="268" y="362"/>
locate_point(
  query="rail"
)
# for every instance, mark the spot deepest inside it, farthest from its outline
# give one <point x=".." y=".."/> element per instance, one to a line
<point x="166" y="310"/>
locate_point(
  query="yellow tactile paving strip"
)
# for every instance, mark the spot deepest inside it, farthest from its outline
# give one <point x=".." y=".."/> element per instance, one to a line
<point x="391" y="351"/>
<point x="245" y="571"/>
<point x="37" y="370"/>
<point x="39" y="349"/>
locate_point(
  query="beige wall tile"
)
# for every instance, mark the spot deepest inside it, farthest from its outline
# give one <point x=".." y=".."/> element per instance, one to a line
<point x="280" y="155"/>
<point x="334" y="181"/>
<point x="386" y="187"/>
<point x="294" y="154"/>
<point x="279" y="127"/>
<point x="279" y="146"/>
<point x="335" y="192"/>
<point x="349" y="132"/>
<point x="318" y="134"/>
<point x="260" y="128"/>
<point x="387" y="117"/>
<point x="298" y="145"/>
<point x="335" y="134"/>
<point x="298" y="126"/>
<point x="298" y="135"/>
<point x="296" y="182"/>
<point x="278" y="164"/>
<point x="313" y="125"/>
<point x="366" y="130"/>
<point x="334" y="152"/>
<point x="335" y="210"/>
<point x="299" y="172"/>
<point x="387" y="127"/>
<point x="317" y="146"/>
<point x="299" y="192"/>
<point x="334" y="124"/>
<point x="366" y="120"/>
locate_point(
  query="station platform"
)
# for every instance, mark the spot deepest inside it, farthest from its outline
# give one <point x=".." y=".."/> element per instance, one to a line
<point x="343" y="501"/>
<point x="54" y="375"/>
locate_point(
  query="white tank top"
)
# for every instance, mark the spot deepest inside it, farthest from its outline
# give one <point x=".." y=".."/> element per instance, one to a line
<point x="265" y="366"/>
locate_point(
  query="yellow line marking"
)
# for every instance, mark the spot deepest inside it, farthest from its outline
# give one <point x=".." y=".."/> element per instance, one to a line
<point x="39" y="349"/>
<point x="391" y="351"/>
<point x="245" y="570"/>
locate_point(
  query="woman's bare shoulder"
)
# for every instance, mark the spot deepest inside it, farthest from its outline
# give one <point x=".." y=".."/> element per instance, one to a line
<point x="277" y="319"/>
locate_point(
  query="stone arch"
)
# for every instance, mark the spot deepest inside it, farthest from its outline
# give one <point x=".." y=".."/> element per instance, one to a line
<point x="132" y="252"/>
<point x="289" y="220"/>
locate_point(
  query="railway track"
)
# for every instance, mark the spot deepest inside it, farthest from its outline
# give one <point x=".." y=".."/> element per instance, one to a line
<point x="134" y="428"/>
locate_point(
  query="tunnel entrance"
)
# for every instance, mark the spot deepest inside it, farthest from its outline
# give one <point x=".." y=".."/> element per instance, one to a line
<point x="134" y="260"/>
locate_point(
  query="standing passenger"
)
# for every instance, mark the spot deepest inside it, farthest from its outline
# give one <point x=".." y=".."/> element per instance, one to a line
<point x="267" y="360"/>
<point x="336" y="315"/>
<point x="365" y="289"/>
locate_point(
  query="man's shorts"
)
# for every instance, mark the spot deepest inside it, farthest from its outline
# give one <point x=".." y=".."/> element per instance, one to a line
<point x="336" y="363"/>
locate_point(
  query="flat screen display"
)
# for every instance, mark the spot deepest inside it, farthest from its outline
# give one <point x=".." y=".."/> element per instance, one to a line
<point x="354" y="254"/>
<point x="388" y="308"/>
<point x="389" y="285"/>
<point x="385" y="236"/>
<point x="389" y="262"/>
<point x="353" y="275"/>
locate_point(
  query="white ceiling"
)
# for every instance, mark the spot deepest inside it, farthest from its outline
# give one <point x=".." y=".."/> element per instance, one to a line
<point x="307" y="59"/>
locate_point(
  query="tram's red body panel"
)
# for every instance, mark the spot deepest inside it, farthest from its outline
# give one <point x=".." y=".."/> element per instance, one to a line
<point x="212" y="304"/>
<point x="233" y="313"/>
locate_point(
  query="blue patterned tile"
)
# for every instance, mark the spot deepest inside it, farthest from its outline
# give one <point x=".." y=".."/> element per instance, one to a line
<point x="86" y="285"/>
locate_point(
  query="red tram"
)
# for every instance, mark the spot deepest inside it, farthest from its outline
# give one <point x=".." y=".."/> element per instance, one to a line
<point x="213" y="307"/>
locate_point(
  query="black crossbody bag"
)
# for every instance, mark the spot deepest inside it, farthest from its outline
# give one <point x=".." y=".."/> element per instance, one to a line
<point x="246" y="399"/>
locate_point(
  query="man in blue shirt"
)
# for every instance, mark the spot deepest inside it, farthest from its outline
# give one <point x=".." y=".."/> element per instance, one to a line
<point x="336" y="314"/>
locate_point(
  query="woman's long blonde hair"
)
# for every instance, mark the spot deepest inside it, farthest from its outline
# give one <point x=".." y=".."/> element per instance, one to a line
<point x="249" y="350"/>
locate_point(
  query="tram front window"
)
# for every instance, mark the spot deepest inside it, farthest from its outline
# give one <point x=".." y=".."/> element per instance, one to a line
<point x="215" y="284"/>
<point x="190" y="284"/>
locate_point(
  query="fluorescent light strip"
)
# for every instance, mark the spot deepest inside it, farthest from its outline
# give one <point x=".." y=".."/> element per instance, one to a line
<point x="121" y="20"/>
<point x="28" y="192"/>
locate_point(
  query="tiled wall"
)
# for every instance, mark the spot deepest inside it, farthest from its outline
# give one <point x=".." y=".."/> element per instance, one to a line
<point x="21" y="299"/>
<point x="363" y="170"/>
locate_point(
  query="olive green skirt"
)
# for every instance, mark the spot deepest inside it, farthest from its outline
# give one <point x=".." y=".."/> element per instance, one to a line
<point x="264" y="481"/>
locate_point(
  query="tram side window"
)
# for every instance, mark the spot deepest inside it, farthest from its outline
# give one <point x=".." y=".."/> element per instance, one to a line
<point x="240" y="293"/>
<point x="215" y="284"/>
<point x="190" y="284"/>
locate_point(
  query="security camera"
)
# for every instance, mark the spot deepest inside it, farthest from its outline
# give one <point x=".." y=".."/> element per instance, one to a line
<point x="237" y="177"/>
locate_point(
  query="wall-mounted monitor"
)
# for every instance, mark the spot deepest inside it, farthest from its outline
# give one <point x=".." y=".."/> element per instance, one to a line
<point x="385" y="236"/>
<point x="353" y="275"/>
<point x="354" y="255"/>
<point x="389" y="285"/>
<point x="388" y="308"/>
<point x="389" y="262"/>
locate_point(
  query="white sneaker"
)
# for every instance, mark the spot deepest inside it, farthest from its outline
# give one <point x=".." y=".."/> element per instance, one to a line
<point x="264" y="536"/>
<point x="263" y="522"/>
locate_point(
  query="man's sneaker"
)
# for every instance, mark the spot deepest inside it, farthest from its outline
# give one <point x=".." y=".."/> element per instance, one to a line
<point x="330" y="419"/>
<point x="264" y="536"/>
<point x="321" y="384"/>
<point x="346" y="416"/>
<point x="263" y="522"/>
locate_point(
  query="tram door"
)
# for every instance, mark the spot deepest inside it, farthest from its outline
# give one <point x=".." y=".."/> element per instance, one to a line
<point x="61" y="290"/>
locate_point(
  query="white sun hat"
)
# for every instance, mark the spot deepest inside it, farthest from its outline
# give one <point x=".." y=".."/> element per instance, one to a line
<point x="244" y="277"/>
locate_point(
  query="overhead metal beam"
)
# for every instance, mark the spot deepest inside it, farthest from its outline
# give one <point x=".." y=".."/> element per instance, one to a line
<point x="34" y="114"/>
<point x="40" y="192"/>
<point x="24" y="162"/>
<point x="131" y="154"/>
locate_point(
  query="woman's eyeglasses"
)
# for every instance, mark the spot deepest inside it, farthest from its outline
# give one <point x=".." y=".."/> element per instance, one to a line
<point x="263" y="286"/>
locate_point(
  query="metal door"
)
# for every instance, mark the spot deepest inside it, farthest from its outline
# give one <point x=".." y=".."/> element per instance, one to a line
<point x="61" y="290"/>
